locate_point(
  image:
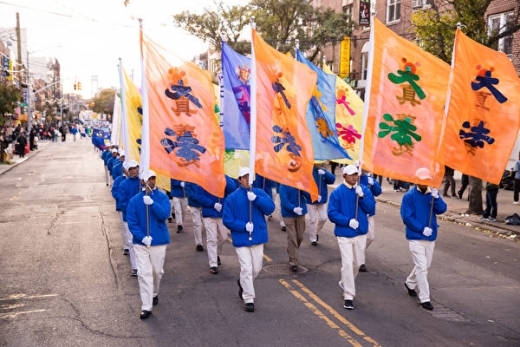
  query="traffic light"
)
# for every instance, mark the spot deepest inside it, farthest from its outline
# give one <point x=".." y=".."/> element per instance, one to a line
<point x="74" y="86"/>
<point x="79" y="85"/>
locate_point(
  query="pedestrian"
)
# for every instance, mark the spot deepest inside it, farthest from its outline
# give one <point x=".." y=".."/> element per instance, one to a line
<point x="146" y="214"/>
<point x="294" y="208"/>
<point x="349" y="207"/>
<point x="464" y="182"/>
<point x="449" y="182"/>
<point x="244" y="215"/>
<point x="21" y="143"/>
<point x="516" y="186"/>
<point x="419" y="209"/>
<point x="196" y="214"/>
<point x="490" y="213"/>
<point x="365" y="179"/>
<point x="180" y="203"/>
<point x="318" y="209"/>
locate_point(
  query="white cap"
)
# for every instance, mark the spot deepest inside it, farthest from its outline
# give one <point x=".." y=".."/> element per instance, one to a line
<point x="243" y="171"/>
<point x="114" y="150"/>
<point x="423" y="174"/>
<point x="147" y="174"/>
<point x="350" y="170"/>
<point x="122" y="153"/>
<point x="356" y="163"/>
<point x="132" y="163"/>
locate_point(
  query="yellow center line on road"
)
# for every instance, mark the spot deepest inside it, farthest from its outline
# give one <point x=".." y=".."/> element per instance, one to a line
<point x="267" y="259"/>
<point x="334" y="313"/>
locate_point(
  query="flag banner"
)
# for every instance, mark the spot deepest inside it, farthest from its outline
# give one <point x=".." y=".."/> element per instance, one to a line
<point x="404" y="108"/>
<point x="321" y="115"/>
<point x="283" y="89"/>
<point x="116" y="134"/>
<point x="133" y="118"/>
<point x="236" y="98"/>
<point x="186" y="142"/>
<point x="349" y="118"/>
<point x="483" y="110"/>
<point x="234" y="160"/>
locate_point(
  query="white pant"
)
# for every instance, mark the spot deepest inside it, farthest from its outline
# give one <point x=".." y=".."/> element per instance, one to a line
<point x="371" y="235"/>
<point x="250" y="259"/>
<point x="352" y="251"/>
<point x="150" y="261"/>
<point x="422" y="254"/>
<point x="123" y="232"/>
<point x="317" y="219"/>
<point x="277" y="203"/>
<point x="216" y="235"/>
<point x="196" y="215"/>
<point x="107" y="175"/>
<point x="129" y="239"/>
<point x="180" y="207"/>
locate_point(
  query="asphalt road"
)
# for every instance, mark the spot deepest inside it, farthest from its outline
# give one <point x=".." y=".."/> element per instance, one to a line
<point x="64" y="280"/>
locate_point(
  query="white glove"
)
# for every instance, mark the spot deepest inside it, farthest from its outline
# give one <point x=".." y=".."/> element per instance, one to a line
<point x="147" y="200"/>
<point x="218" y="206"/>
<point x="319" y="198"/>
<point x="249" y="227"/>
<point x="298" y="210"/>
<point x="435" y="193"/>
<point x="370" y="181"/>
<point x="321" y="172"/>
<point x="182" y="184"/>
<point x="427" y="231"/>
<point x="353" y="224"/>
<point x="359" y="191"/>
<point x="147" y="241"/>
<point x="251" y="196"/>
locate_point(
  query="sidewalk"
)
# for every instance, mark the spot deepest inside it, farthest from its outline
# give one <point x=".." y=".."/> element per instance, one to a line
<point x="17" y="160"/>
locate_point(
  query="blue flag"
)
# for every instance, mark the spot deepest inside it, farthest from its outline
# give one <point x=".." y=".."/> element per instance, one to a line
<point x="321" y="115"/>
<point x="235" y="98"/>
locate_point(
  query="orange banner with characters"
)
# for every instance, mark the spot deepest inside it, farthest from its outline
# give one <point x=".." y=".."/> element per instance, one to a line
<point x="186" y="142"/>
<point x="484" y="111"/>
<point x="284" y="87"/>
<point x="404" y="108"/>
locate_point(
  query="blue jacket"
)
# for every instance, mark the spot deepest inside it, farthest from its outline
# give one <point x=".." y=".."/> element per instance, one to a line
<point x="342" y="208"/>
<point x="322" y="181"/>
<point x="191" y="192"/>
<point x="176" y="190"/>
<point x="115" y="187"/>
<point x="110" y="162"/>
<point x="158" y="213"/>
<point x="117" y="168"/>
<point x="375" y="188"/>
<point x="415" y="212"/>
<point x="265" y="184"/>
<point x="126" y="191"/>
<point x="207" y="201"/>
<point x="290" y="198"/>
<point x="236" y="211"/>
<point x="106" y="155"/>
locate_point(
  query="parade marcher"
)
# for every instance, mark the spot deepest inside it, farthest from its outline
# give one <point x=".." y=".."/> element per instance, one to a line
<point x="74" y="131"/>
<point x="318" y="209"/>
<point x="196" y="214"/>
<point x="115" y="187"/>
<point x="294" y="208"/>
<point x="127" y="189"/>
<point x="216" y="233"/>
<point x="368" y="181"/>
<point x="117" y="165"/>
<point x="278" y="205"/>
<point x="110" y="163"/>
<point x="266" y="185"/>
<point x="146" y="214"/>
<point x="350" y="204"/>
<point x="180" y="202"/>
<point x="419" y="209"/>
<point x="244" y="215"/>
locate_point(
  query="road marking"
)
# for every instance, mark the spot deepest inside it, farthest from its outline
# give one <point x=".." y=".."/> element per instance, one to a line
<point x="267" y="259"/>
<point x="24" y="297"/>
<point x="352" y="340"/>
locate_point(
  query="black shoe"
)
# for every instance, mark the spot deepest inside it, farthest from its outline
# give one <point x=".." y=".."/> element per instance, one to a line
<point x="427" y="305"/>
<point x="107" y="184"/>
<point x="126" y="251"/>
<point x="170" y="219"/>
<point x="411" y="292"/>
<point x="179" y="228"/>
<point x="218" y="261"/>
<point x="348" y="304"/>
<point x="134" y="272"/>
<point x="314" y="243"/>
<point x="145" y="314"/>
<point x="240" y="290"/>
<point x="283" y="229"/>
<point x="199" y="248"/>
<point x="460" y="195"/>
<point x="155" y="300"/>
<point x="294" y="268"/>
<point x="249" y="307"/>
<point x="362" y="268"/>
<point x="213" y="270"/>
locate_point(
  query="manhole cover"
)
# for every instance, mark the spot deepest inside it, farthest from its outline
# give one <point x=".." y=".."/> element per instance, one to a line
<point x="284" y="269"/>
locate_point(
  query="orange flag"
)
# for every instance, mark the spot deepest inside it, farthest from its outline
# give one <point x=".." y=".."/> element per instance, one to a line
<point x="404" y="110"/>
<point x="283" y="142"/>
<point x="484" y="110"/>
<point x="186" y="142"/>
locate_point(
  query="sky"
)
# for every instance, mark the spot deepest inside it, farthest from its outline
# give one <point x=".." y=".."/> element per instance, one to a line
<point x="89" y="36"/>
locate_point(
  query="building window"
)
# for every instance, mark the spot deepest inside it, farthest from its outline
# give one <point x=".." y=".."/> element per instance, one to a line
<point x="364" y="61"/>
<point x="393" y="11"/>
<point x="348" y="10"/>
<point x="500" y="23"/>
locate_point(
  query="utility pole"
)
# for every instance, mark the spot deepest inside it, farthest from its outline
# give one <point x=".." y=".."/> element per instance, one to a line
<point x="18" y="44"/>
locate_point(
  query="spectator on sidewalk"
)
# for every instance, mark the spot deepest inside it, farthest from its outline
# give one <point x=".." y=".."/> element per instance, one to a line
<point x="516" y="189"/>
<point x="490" y="213"/>
<point x="449" y="182"/>
<point x="464" y="182"/>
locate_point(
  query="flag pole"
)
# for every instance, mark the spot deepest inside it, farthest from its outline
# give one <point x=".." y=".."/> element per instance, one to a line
<point x="252" y="131"/>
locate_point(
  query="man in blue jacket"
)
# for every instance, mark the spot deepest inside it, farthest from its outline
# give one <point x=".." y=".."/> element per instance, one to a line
<point x="351" y="228"/>
<point x="318" y="209"/>
<point x="244" y="214"/>
<point x="419" y="217"/>
<point x="147" y="213"/>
